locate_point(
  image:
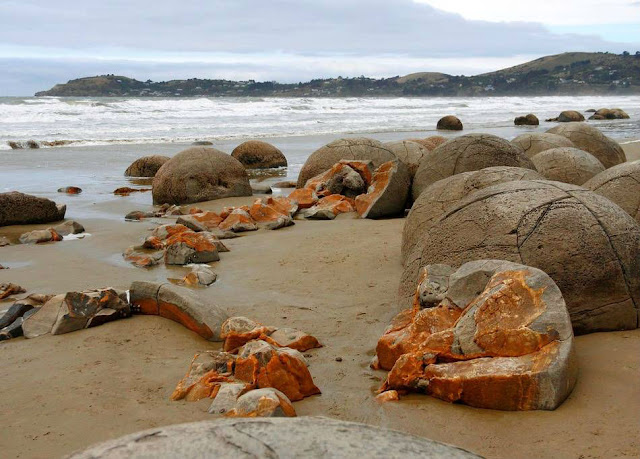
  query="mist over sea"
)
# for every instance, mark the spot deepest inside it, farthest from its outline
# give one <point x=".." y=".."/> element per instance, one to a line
<point x="99" y="121"/>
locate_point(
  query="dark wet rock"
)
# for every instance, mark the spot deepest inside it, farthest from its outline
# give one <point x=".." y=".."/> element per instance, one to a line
<point x="449" y="123"/>
<point x="70" y="190"/>
<point x="201" y="143"/>
<point x="138" y="215"/>
<point x="146" y="166"/>
<point x="23" y="209"/>
<point x="527" y="120"/>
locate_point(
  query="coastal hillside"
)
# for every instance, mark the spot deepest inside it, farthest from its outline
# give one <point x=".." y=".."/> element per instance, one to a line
<point x="562" y="74"/>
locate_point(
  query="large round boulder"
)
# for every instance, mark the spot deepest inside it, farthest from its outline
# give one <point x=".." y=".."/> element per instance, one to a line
<point x="449" y="123"/>
<point x="568" y="165"/>
<point x="588" y="245"/>
<point x="590" y="139"/>
<point x="200" y="174"/>
<point x="276" y="438"/>
<point x="359" y="148"/>
<point x="527" y="120"/>
<point x="466" y="153"/>
<point x="24" y="209"/>
<point x="409" y="152"/>
<point x="620" y="184"/>
<point x="255" y="154"/>
<point x="434" y="201"/>
<point x="147" y="166"/>
<point x="534" y="142"/>
<point x="568" y="116"/>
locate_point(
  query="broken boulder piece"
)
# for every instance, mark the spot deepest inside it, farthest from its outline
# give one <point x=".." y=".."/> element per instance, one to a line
<point x="329" y="207"/>
<point x="190" y="247"/>
<point x="500" y="338"/>
<point x="204" y="221"/>
<point x="265" y="403"/>
<point x="238" y="221"/>
<point x="126" y="191"/>
<point x="303" y="197"/>
<point x="8" y="289"/>
<point x="180" y="305"/>
<point x="142" y="258"/>
<point x="199" y="276"/>
<point x="40" y="236"/>
<point x="388" y="192"/>
<point x="270" y="216"/>
<point x="68" y="227"/>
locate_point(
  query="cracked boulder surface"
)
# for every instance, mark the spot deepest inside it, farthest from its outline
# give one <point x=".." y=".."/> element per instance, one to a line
<point x="439" y="197"/>
<point x="567" y="165"/>
<point x="256" y="154"/>
<point x="360" y="148"/>
<point x="409" y="152"/>
<point x="492" y="334"/>
<point x="590" y="139"/>
<point x="467" y="153"/>
<point x="200" y="174"/>
<point x="589" y="246"/>
<point x="620" y="184"/>
<point x="147" y="166"/>
<point x="536" y="142"/>
<point x="178" y="304"/>
<point x="277" y="438"/>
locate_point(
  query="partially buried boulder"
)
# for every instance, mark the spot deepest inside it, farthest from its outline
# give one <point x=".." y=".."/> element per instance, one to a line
<point x="438" y="198"/>
<point x="610" y="114"/>
<point x="409" y="152"/>
<point x="357" y="148"/>
<point x="568" y="116"/>
<point x="200" y="174"/>
<point x="527" y="120"/>
<point x="449" y="123"/>
<point x="23" y="209"/>
<point x="534" y="142"/>
<point x="589" y="246"/>
<point x="178" y="304"/>
<point x="308" y="437"/>
<point x="568" y="165"/>
<point x="620" y="184"/>
<point x="255" y="154"/>
<point x="147" y="166"/>
<point x="467" y="153"/>
<point x="591" y="140"/>
<point x="492" y="334"/>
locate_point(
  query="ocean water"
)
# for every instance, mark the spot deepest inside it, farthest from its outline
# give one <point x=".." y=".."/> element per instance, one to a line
<point x="107" y="134"/>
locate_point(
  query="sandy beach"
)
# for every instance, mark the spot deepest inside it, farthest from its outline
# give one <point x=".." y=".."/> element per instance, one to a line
<point x="336" y="280"/>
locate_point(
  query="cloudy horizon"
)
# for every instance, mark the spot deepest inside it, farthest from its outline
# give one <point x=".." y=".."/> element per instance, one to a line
<point x="295" y="40"/>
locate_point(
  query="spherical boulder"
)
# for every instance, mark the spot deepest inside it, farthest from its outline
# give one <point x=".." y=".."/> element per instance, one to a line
<point x="24" y="209"/>
<point x="466" y="153"/>
<point x="591" y="140"/>
<point x="527" y="120"/>
<point x="304" y="437"/>
<point x="449" y="123"/>
<point x="255" y="154"/>
<point x="200" y="174"/>
<point x="147" y="166"/>
<point x="359" y="148"/>
<point x="436" y="199"/>
<point x="535" y="142"/>
<point x="588" y="245"/>
<point x="620" y="184"/>
<point x="568" y="116"/>
<point x="568" y="165"/>
<point x="409" y="152"/>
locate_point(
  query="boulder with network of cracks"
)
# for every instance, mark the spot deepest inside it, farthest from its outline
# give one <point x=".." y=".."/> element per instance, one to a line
<point x="178" y="304"/>
<point x="491" y="334"/>
<point x="74" y="311"/>
<point x="237" y="331"/>
<point x="256" y="365"/>
<point x="620" y="184"/>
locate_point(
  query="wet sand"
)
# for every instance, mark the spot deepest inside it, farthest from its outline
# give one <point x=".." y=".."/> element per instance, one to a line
<point x="336" y="280"/>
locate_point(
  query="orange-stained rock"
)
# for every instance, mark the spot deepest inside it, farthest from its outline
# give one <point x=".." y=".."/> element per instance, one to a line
<point x="203" y="221"/>
<point x="269" y="215"/>
<point x="347" y="177"/>
<point x="238" y="331"/>
<point x="303" y="197"/>
<point x="143" y="258"/>
<point x="40" y="236"/>
<point x="6" y="290"/>
<point x="206" y="371"/>
<point x="293" y="339"/>
<point x="195" y="210"/>
<point x="237" y="221"/>
<point x="509" y="347"/>
<point x="329" y="207"/>
<point x="190" y="247"/>
<point x="283" y="205"/>
<point x="126" y="191"/>
<point x="153" y="243"/>
<point x="163" y="232"/>
<point x="388" y="396"/>
<point x="387" y="194"/>
<point x="70" y="190"/>
<point x="266" y="402"/>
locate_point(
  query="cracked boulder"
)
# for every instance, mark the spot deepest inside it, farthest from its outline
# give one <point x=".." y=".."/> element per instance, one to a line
<point x="24" y="209"/>
<point x="388" y="192"/>
<point x="256" y="154"/>
<point x="467" y="153"/>
<point x="589" y="246"/>
<point x="534" y="142"/>
<point x="347" y="177"/>
<point x="409" y="152"/>
<point x="238" y="221"/>
<point x="620" y="184"/>
<point x="200" y="174"/>
<point x="74" y="311"/>
<point x="271" y="214"/>
<point x="591" y="140"/>
<point x="330" y="207"/>
<point x="567" y="165"/>
<point x="443" y="194"/>
<point x="180" y="305"/>
<point x="147" y="166"/>
<point x="491" y="334"/>
<point x="360" y="149"/>
<point x="278" y="438"/>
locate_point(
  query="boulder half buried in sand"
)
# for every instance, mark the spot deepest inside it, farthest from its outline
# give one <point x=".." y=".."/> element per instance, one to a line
<point x="180" y="305"/>
<point x="23" y="209"/>
<point x="147" y="166"/>
<point x="493" y="334"/>
<point x="278" y="438"/>
<point x="256" y="154"/>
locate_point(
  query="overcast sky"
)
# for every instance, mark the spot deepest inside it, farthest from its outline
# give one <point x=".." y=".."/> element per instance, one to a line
<point x="43" y="42"/>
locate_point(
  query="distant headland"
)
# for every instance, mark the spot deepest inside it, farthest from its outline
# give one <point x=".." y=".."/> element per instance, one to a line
<point x="561" y="74"/>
